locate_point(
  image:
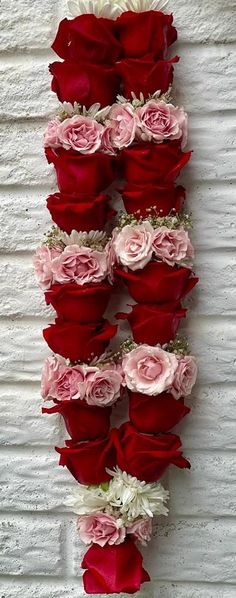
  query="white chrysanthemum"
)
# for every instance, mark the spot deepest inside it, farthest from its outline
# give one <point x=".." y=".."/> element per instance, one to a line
<point x="75" y="238"/>
<point x="112" y="9"/>
<point x="100" y="8"/>
<point x="134" y="498"/>
<point x="87" y="499"/>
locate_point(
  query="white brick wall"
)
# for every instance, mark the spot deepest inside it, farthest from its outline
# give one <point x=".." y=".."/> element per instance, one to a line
<point x="191" y="555"/>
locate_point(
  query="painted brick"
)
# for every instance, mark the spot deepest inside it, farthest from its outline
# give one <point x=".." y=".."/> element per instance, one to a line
<point x="38" y="22"/>
<point x="30" y="546"/>
<point x="21" y="418"/>
<point x="208" y="22"/>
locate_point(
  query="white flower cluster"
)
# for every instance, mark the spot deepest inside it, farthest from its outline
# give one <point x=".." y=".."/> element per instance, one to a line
<point x="124" y="496"/>
<point x="112" y="9"/>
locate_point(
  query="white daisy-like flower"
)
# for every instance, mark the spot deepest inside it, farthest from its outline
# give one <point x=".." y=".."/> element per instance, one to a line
<point x="87" y="499"/>
<point x="112" y="9"/>
<point x="134" y="498"/>
<point x="92" y="237"/>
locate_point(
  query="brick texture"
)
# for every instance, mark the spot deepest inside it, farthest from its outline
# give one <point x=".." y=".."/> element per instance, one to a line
<point x="193" y="553"/>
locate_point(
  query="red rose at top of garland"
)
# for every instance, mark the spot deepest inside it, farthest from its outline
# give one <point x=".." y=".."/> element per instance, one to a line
<point x="147" y="457"/>
<point x="80" y="175"/>
<point x="144" y="33"/>
<point x="71" y="212"/>
<point x="87" y="38"/>
<point x="153" y="164"/>
<point x="107" y="570"/>
<point x="144" y="75"/>
<point x="164" y="198"/>
<point x="79" y="342"/>
<point x="84" y="83"/>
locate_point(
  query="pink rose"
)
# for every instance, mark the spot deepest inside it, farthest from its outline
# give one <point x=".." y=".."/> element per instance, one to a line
<point x="81" y="133"/>
<point x="172" y="245"/>
<point x="122" y="125"/>
<point x="141" y="529"/>
<point x="52" y="368"/>
<point x="69" y="384"/>
<point x="51" y="135"/>
<point x="133" y="245"/>
<point x="42" y="261"/>
<point x="102" y="387"/>
<point x="101" y="529"/>
<point x="80" y="264"/>
<point x="185" y="377"/>
<point x="107" y="141"/>
<point x="159" y="122"/>
<point x="149" y="370"/>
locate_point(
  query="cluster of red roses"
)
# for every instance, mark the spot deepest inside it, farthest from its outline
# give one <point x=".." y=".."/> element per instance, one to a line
<point x="101" y="58"/>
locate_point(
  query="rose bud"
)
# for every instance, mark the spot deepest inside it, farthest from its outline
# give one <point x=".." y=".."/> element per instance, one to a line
<point x="80" y="174"/>
<point x="107" y="571"/>
<point x="147" y="457"/>
<point x="158" y="283"/>
<point x="88" y="461"/>
<point x="71" y="212"/>
<point x="143" y="199"/>
<point x="144" y="33"/>
<point x="79" y="342"/>
<point x="145" y="75"/>
<point x="153" y="164"/>
<point x="79" y="303"/>
<point x="87" y="38"/>
<point x="152" y="415"/>
<point x="84" y="82"/>
<point x="154" y="324"/>
<point x="82" y="421"/>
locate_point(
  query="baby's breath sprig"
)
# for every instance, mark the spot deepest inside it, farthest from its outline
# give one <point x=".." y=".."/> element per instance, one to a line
<point x="128" y="346"/>
<point x="172" y="221"/>
<point x="179" y="346"/>
<point x="53" y="238"/>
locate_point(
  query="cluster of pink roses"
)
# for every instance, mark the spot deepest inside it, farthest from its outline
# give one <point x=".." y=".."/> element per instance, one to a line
<point x="152" y="371"/>
<point x="102" y="529"/>
<point x="99" y="386"/>
<point x="156" y="121"/>
<point x="136" y="245"/>
<point x="74" y="263"/>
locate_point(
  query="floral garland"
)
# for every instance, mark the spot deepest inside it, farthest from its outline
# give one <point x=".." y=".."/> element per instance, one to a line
<point x="117" y="122"/>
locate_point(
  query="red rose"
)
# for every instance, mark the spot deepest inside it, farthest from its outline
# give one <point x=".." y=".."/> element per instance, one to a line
<point x="79" y="342"/>
<point x="79" y="303"/>
<point x="145" y="75"/>
<point x="84" y="83"/>
<point x="154" y="324"/>
<point x="83" y="421"/>
<point x="71" y="212"/>
<point x="143" y="33"/>
<point x="152" y="415"/>
<point x="153" y="164"/>
<point x="158" y="283"/>
<point x="147" y="457"/>
<point x="113" y="569"/>
<point x="165" y="198"/>
<point x="78" y="174"/>
<point x="87" y="38"/>
<point x="88" y="461"/>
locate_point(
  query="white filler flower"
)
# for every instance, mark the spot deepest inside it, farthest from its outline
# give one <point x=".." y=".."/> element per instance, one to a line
<point x="125" y="497"/>
<point x="134" y="498"/>
<point x="112" y="9"/>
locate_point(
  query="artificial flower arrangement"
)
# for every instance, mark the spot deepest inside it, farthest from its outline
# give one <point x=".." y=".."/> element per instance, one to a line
<point x="117" y="129"/>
